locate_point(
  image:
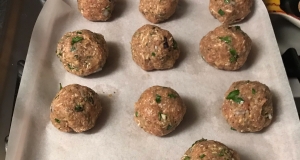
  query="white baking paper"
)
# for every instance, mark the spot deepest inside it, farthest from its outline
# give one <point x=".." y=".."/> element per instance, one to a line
<point x="116" y="136"/>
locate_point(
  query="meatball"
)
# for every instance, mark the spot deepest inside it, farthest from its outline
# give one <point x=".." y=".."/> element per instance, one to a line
<point x="75" y="108"/>
<point x="247" y="106"/>
<point x="226" y="47"/>
<point x="208" y="149"/>
<point x="157" y="11"/>
<point x="96" y="10"/>
<point x="154" y="48"/>
<point x="82" y="52"/>
<point x="159" y="110"/>
<point x="230" y="11"/>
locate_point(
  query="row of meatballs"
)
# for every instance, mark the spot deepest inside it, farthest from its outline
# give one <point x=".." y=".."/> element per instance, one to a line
<point x="156" y="11"/>
<point x="84" y="52"/>
<point x="247" y="107"/>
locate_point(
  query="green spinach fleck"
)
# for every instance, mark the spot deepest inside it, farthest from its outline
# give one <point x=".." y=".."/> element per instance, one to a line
<point x="233" y="55"/>
<point x="226" y="39"/>
<point x="234" y="96"/>
<point x="169" y="127"/>
<point x="76" y="39"/>
<point x="253" y="91"/>
<point x="202" y="156"/>
<point x="222" y="152"/>
<point x="72" y="48"/>
<point x="158" y="98"/>
<point x="78" y="108"/>
<point x="221" y="12"/>
<point x="57" y="120"/>
<point x="171" y="95"/>
<point x="175" y="46"/>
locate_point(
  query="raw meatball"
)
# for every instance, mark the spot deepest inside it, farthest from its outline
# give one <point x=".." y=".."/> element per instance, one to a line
<point x="157" y="11"/>
<point x="226" y="47"/>
<point x="75" y="108"/>
<point x="230" y="11"/>
<point x="82" y="52"/>
<point x="96" y="10"/>
<point x="154" y="48"/>
<point x="248" y="106"/>
<point x="159" y="110"/>
<point x="208" y="149"/>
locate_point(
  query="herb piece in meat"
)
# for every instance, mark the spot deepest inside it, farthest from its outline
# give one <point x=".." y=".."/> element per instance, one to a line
<point x="234" y="96"/>
<point x="76" y="39"/>
<point x="57" y="120"/>
<point x="136" y="114"/>
<point x="222" y="152"/>
<point x="171" y="95"/>
<point x="201" y="140"/>
<point x="237" y="27"/>
<point x="78" y="108"/>
<point x="59" y="54"/>
<point x="187" y="158"/>
<point x="233" y="55"/>
<point x="60" y="86"/>
<point x="158" y="98"/>
<point x="70" y="66"/>
<point x="169" y="127"/>
<point x="153" y="54"/>
<point x="166" y="45"/>
<point x="78" y="32"/>
<point x="226" y="39"/>
<point x="72" y="49"/>
<point x="232" y="129"/>
<point x="89" y="99"/>
<point x="174" y="44"/>
<point x="253" y="91"/>
<point x="221" y="12"/>
<point x="202" y="156"/>
<point x="227" y="1"/>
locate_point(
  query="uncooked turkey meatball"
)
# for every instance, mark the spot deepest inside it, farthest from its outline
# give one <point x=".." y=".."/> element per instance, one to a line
<point x="159" y="110"/>
<point x="96" y="10"/>
<point x="75" y="108"/>
<point x="154" y="48"/>
<point x="82" y="52"/>
<point x="226" y="47"/>
<point x="157" y="11"/>
<point x="230" y="11"/>
<point x="248" y="106"/>
<point x="210" y="150"/>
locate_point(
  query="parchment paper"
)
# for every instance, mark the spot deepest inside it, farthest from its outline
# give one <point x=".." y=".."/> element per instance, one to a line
<point x="116" y="136"/>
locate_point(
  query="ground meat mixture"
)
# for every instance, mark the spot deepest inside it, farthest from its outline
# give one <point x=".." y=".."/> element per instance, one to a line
<point x="247" y="106"/>
<point x="230" y="11"/>
<point x="82" y="52"/>
<point x="226" y="47"/>
<point x="96" y="10"/>
<point x="75" y="108"/>
<point x="154" y="48"/>
<point x="157" y="11"/>
<point x="159" y="110"/>
<point x="209" y="150"/>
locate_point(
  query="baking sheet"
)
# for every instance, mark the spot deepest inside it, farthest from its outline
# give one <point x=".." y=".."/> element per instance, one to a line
<point x="116" y="136"/>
